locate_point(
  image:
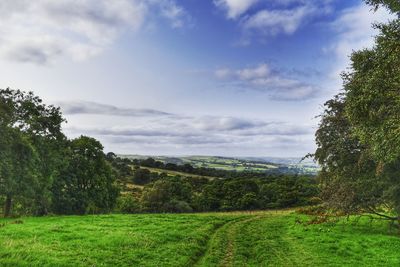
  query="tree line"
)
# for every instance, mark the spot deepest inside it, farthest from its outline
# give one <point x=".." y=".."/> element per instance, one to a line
<point x="41" y="170"/>
<point x="204" y="171"/>
<point x="220" y="190"/>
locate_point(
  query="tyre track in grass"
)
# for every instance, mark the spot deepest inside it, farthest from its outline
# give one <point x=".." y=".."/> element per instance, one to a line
<point x="197" y="261"/>
<point x="228" y="260"/>
<point x="221" y="244"/>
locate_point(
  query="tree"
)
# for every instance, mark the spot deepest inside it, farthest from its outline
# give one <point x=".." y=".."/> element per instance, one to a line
<point x="249" y="202"/>
<point x="373" y="104"/>
<point x="167" y="195"/>
<point x="234" y="190"/>
<point x="17" y="167"/>
<point x="210" y="196"/>
<point x="141" y="176"/>
<point x="392" y="5"/>
<point x="31" y="127"/>
<point x="340" y="155"/>
<point x="87" y="183"/>
<point x="358" y="138"/>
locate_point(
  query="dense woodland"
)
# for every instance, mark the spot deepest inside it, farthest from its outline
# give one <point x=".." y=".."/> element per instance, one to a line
<point x="217" y="190"/>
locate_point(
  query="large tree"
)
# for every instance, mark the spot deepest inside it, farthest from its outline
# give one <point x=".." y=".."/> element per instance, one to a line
<point x="31" y="134"/>
<point x="87" y="183"/>
<point x="359" y="135"/>
<point x="348" y="177"/>
<point x="18" y="167"/>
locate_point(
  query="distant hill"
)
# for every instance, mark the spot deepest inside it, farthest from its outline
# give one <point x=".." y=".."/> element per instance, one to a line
<point x="254" y="164"/>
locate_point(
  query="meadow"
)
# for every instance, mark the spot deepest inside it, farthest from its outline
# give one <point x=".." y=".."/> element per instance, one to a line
<point x="269" y="238"/>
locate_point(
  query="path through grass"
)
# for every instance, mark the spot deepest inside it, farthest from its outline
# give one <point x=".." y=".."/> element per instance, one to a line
<point x="219" y="239"/>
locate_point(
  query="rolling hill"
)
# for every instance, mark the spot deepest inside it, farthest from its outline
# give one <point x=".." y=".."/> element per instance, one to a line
<point x="253" y="164"/>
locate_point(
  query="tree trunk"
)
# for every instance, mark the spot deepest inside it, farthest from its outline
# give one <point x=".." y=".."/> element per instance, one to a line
<point x="398" y="223"/>
<point x="7" y="206"/>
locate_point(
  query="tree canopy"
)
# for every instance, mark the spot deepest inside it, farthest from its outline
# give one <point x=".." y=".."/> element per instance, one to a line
<point x="392" y="5"/>
<point x="36" y="157"/>
<point x="359" y="135"/>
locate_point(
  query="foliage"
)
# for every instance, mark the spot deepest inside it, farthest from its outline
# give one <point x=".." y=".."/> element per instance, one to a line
<point x="392" y="5"/>
<point x="167" y="195"/>
<point x="40" y="170"/>
<point x="141" y="176"/>
<point x="358" y="137"/>
<point x="87" y="182"/>
<point x="127" y="203"/>
<point x="347" y="167"/>
<point x="177" y="194"/>
<point x="31" y="134"/>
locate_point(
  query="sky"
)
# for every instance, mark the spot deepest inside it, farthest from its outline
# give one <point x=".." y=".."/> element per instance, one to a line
<point x="185" y="77"/>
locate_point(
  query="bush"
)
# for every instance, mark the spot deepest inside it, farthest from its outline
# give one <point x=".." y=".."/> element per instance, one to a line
<point x="249" y="202"/>
<point x="178" y="206"/>
<point x="128" y="204"/>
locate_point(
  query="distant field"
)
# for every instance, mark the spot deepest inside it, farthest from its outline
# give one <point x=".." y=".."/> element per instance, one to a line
<point x="290" y="165"/>
<point x="176" y="173"/>
<point x="229" y="164"/>
<point x="216" y="239"/>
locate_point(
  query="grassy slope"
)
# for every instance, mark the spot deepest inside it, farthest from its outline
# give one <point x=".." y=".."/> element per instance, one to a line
<point x="220" y="239"/>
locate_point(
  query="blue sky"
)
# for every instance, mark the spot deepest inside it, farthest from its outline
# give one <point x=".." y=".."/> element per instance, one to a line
<point x="189" y="77"/>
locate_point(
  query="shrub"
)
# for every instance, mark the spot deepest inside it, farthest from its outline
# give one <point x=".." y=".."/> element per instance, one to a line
<point x="128" y="204"/>
<point x="177" y="206"/>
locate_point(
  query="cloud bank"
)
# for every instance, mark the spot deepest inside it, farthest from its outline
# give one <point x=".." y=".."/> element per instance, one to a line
<point x="141" y="131"/>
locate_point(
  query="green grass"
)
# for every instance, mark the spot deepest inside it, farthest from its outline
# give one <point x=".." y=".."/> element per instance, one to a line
<point x="280" y="238"/>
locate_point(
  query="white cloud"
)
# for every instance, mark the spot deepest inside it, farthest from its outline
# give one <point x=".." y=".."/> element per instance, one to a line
<point x="261" y="71"/>
<point x="354" y="32"/>
<point x="262" y="77"/>
<point x="235" y="8"/>
<point x="176" y="14"/>
<point x="273" y="17"/>
<point x="42" y="30"/>
<point x="210" y="123"/>
<point x="273" y="22"/>
<point x="93" y="108"/>
<point x="223" y="73"/>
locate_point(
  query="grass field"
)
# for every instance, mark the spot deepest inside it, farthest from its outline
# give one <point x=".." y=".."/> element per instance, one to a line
<point x="221" y="239"/>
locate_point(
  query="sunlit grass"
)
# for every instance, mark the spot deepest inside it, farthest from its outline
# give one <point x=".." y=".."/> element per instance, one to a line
<point x="275" y="238"/>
